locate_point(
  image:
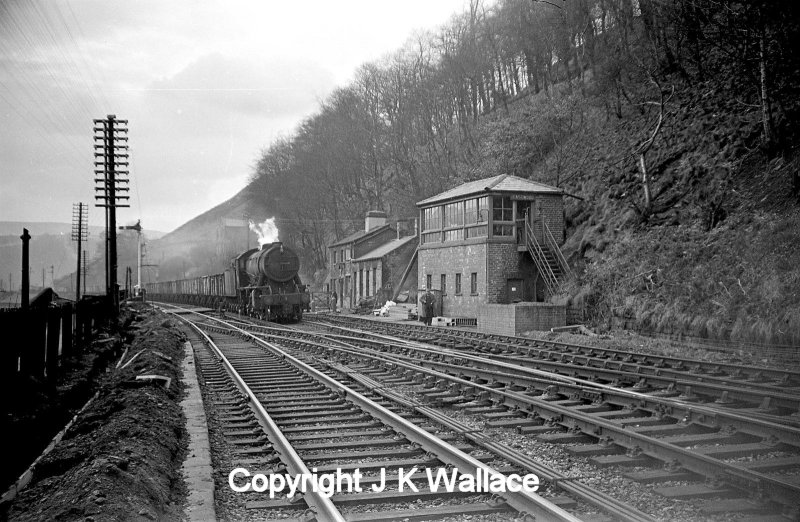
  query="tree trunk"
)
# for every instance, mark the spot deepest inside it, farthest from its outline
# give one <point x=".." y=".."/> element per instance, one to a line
<point x="645" y="185"/>
<point x="766" y="113"/>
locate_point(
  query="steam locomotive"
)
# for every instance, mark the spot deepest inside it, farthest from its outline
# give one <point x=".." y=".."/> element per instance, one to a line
<point x="262" y="282"/>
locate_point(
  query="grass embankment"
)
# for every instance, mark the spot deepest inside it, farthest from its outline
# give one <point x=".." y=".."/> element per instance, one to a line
<point x="718" y="256"/>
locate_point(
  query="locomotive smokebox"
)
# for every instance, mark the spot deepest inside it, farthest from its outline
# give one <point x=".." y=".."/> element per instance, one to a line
<point x="273" y="261"/>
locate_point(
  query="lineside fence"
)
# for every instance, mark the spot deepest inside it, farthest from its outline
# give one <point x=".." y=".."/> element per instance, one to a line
<point x="40" y="338"/>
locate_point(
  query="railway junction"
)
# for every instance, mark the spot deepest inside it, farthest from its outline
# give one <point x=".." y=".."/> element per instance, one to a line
<point x="601" y="432"/>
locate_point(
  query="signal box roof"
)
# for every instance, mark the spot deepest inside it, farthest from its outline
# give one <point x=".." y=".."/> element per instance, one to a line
<point x="502" y="183"/>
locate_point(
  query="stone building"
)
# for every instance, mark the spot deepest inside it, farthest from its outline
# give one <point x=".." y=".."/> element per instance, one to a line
<point x="369" y="264"/>
<point x="233" y="236"/>
<point x="492" y="241"/>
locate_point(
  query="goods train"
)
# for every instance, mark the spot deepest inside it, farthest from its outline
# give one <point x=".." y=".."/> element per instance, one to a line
<point x="262" y="282"/>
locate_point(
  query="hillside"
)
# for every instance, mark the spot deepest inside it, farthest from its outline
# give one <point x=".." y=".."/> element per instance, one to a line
<point x="195" y="247"/>
<point x="673" y="125"/>
<point x="52" y="249"/>
<point x="717" y="257"/>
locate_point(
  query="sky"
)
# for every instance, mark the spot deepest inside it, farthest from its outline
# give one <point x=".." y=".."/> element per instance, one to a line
<point x="205" y="85"/>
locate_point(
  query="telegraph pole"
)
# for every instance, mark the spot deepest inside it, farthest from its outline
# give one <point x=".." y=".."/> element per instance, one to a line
<point x="113" y="158"/>
<point x="84" y="272"/>
<point x="80" y="232"/>
<point x="26" y="285"/>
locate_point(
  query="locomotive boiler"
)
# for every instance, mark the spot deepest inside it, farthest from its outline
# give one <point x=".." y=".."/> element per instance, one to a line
<point x="262" y="282"/>
<point x="269" y="284"/>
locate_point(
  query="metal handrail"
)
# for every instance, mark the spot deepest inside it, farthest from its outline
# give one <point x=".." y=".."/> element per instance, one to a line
<point x="539" y="259"/>
<point x="555" y="248"/>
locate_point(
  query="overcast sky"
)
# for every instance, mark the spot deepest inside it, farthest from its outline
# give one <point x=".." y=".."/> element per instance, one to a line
<point x="204" y="84"/>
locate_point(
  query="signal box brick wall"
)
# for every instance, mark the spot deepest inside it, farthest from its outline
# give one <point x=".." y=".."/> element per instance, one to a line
<point x="495" y="263"/>
<point x="450" y="260"/>
<point x="515" y="319"/>
<point x="552" y="212"/>
<point x="505" y="262"/>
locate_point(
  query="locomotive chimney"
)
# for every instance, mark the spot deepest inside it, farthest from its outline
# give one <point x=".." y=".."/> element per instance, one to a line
<point x="375" y="218"/>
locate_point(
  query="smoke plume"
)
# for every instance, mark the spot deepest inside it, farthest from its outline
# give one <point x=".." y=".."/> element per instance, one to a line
<point x="267" y="231"/>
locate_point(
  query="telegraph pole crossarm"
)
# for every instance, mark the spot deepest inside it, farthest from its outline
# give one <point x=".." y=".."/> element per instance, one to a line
<point x="80" y="233"/>
<point x="111" y="170"/>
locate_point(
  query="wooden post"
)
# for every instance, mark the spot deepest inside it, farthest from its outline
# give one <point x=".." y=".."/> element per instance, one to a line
<point x="25" y="289"/>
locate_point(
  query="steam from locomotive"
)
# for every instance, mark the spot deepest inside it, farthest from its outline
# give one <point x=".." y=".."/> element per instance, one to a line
<point x="267" y="232"/>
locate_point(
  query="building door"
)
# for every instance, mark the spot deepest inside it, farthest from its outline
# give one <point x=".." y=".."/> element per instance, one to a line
<point x="514" y="290"/>
<point x="523" y="209"/>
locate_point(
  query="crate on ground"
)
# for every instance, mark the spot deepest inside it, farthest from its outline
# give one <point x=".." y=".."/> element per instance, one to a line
<point x="399" y="312"/>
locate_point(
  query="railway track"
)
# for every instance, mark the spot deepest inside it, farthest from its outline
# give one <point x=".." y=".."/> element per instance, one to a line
<point x="741" y="458"/>
<point x="769" y="393"/>
<point x="283" y="417"/>
<point x="749" y="464"/>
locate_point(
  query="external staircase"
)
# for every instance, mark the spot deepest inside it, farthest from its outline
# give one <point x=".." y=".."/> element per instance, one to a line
<point x="547" y="257"/>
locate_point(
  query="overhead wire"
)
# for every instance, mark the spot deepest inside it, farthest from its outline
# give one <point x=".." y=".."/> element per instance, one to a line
<point x="22" y="50"/>
<point x="46" y="81"/>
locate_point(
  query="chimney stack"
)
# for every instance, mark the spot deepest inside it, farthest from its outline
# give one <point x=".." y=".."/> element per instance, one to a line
<point x="375" y="218"/>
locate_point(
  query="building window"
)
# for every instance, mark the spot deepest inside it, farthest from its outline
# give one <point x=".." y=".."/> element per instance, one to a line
<point x="432" y="219"/>
<point x="374" y="282"/>
<point x="503" y="208"/>
<point x="454" y="221"/>
<point x="473" y="283"/>
<point x="454" y="235"/>
<point x="428" y="281"/>
<point x="361" y="282"/>
<point x="366" y="283"/>
<point x="458" y="284"/>
<point x="432" y="225"/>
<point x="347" y="254"/>
<point x="444" y="284"/>
<point x="503" y="215"/>
<point x="476" y="213"/>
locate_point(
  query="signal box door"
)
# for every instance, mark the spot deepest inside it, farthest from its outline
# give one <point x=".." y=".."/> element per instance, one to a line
<point x="515" y="290"/>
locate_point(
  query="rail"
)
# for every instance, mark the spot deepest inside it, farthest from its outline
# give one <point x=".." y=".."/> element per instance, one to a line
<point x="777" y="489"/>
<point x="321" y="504"/>
<point x="522" y="501"/>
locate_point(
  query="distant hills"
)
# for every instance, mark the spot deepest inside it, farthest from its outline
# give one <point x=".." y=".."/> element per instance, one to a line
<point x="51" y="250"/>
<point x="15" y="228"/>
<point x="204" y="245"/>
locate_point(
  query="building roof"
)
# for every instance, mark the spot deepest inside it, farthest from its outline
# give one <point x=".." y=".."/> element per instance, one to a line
<point x="501" y="183"/>
<point x="386" y="248"/>
<point x="355" y="236"/>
